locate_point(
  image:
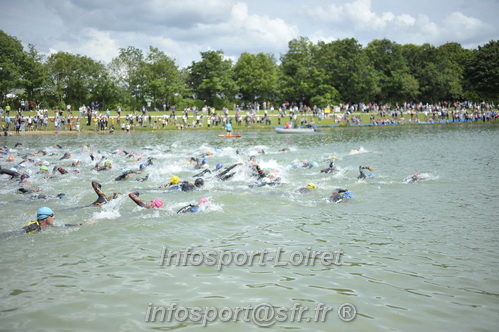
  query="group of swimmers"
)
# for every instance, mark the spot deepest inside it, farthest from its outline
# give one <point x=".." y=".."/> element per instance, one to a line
<point x="263" y="177"/>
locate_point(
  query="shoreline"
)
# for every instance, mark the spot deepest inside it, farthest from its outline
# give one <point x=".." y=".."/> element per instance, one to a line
<point x="244" y="129"/>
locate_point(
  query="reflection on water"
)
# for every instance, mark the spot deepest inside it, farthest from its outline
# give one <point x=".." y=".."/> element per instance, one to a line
<point x="421" y="254"/>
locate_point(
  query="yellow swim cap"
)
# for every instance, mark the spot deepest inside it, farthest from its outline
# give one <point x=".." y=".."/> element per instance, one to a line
<point x="174" y="179"/>
<point x="311" y="186"/>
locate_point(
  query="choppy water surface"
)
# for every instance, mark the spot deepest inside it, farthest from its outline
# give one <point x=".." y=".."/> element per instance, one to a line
<point x="421" y="255"/>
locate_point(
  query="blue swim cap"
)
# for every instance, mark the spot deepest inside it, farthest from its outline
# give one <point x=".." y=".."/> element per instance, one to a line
<point x="314" y="164"/>
<point x="219" y="165"/>
<point x="203" y="162"/>
<point x="43" y="213"/>
<point x="125" y="170"/>
<point x="348" y="194"/>
<point x="142" y="166"/>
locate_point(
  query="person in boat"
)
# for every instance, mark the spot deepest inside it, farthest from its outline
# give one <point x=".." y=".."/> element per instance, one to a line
<point x="203" y="202"/>
<point x="102" y="198"/>
<point x="362" y="175"/>
<point x="341" y="196"/>
<point x="228" y="129"/>
<point x="44" y="218"/>
<point x="155" y="203"/>
<point x="287" y="126"/>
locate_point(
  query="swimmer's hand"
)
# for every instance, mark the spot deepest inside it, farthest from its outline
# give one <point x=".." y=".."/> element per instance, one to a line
<point x="91" y="222"/>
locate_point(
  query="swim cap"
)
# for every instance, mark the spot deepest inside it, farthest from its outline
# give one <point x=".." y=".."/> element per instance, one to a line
<point x="199" y="182"/>
<point x="44" y="168"/>
<point x="142" y="166"/>
<point x="203" y="162"/>
<point x="45" y="163"/>
<point x="11" y="158"/>
<point x="13" y="169"/>
<point x="219" y="165"/>
<point x="314" y="164"/>
<point x="348" y="194"/>
<point x="107" y="163"/>
<point x="156" y="203"/>
<point x="44" y="213"/>
<point x="204" y="200"/>
<point x="28" y="172"/>
<point x="62" y="196"/>
<point x="174" y="179"/>
<point x="311" y="186"/>
<point x="294" y="164"/>
<point x="125" y="170"/>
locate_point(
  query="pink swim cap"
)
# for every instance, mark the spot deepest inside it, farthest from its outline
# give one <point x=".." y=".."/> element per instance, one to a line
<point x="203" y="200"/>
<point x="156" y="203"/>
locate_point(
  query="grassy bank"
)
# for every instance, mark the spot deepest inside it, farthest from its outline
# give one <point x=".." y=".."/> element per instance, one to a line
<point x="156" y="124"/>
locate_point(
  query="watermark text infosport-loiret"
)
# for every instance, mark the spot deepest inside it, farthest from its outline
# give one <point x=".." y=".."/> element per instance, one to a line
<point x="222" y="258"/>
<point x="261" y="314"/>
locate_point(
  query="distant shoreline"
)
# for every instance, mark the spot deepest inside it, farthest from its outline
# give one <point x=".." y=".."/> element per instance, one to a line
<point x="242" y="128"/>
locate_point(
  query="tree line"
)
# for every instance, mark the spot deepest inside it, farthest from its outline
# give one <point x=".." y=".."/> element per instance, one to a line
<point x="321" y="74"/>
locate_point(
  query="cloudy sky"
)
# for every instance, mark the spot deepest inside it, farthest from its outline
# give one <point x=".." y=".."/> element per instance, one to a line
<point x="184" y="28"/>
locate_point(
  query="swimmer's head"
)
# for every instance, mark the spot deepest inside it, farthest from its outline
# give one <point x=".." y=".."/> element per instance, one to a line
<point x="219" y="165"/>
<point x="204" y="200"/>
<point x="199" y="182"/>
<point x="174" y="179"/>
<point x="311" y="186"/>
<point x="43" y="213"/>
<point x="142" y="166"/>
<point x="156" y="203"/>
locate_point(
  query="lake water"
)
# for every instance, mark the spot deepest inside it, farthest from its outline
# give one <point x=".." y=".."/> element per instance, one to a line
<point x="413" y="256"/>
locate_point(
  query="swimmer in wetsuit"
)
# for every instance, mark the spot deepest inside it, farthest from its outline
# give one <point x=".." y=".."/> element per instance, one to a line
<point x="223" y="176"/>
<point x="340" y="195"/>
<point x="331" y="168"/>
<point x="413" y="178"/>
<point x="362" y="175"/>
<point x="102" y="198"/>
<point x="45" y="217"/>
<point x="307" y="189"/>
<point x="155" y="203"/>
<point x="13" y="174"/>
<point x="194" y="208"/>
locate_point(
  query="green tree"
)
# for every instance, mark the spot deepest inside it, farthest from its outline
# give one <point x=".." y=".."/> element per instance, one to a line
<point x="73" y="79"/>
<point x="483" y="71"/>
<point x="163" y="79"/>
<point x="33" y="74"/>
<point x="256" y="77"/>
<point x="11" y="58"/>
<point x="128" y="71"/>
<point x="396" y="82"/>
<point x="299" y="77"/>
<point x="211" y="79"/>
<point x="348" y="69"/>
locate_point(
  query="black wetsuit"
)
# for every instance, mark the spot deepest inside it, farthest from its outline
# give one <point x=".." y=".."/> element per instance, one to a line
<point x="102" y="198"/>
<point x="188" y="209"/>
<point x="362" y="175"/>
<point x="223" y="176"/>
<point x="330" y="169"/>
<point x="200" y="174"/>
<point x="337" y="195"/>
<point x="12" y="174"/>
